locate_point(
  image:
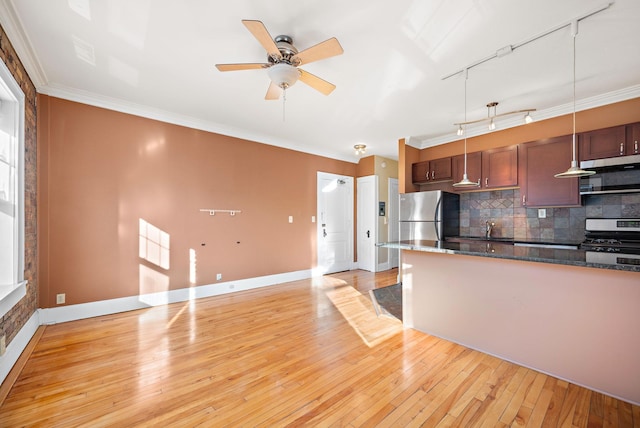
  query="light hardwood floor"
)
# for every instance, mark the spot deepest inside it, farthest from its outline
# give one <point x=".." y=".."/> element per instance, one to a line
<point x="306" y="353"/>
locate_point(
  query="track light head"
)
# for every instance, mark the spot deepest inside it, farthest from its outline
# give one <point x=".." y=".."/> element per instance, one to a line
<point x="527" y="118"/>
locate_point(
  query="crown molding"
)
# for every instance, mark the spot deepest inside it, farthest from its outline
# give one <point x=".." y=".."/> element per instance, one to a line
<point x="122" y="106"/>
<point x="21" y="43"/>
<point x="511" y="122"/>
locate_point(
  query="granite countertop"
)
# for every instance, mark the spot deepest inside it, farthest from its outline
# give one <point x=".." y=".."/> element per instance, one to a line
<point x="504" y="248"/>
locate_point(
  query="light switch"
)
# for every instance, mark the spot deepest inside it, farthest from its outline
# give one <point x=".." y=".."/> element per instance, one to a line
<point x="290" y="219"/>
<point x="313" y="219"/>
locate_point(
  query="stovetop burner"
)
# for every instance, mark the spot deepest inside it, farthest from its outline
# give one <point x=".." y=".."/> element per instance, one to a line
<point x="612" y="236"/>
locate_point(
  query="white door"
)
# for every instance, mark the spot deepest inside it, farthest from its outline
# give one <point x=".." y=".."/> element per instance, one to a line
<point x="367" y="191"/>
<point x="335" y="223"/>
<point x="393" y="227"/>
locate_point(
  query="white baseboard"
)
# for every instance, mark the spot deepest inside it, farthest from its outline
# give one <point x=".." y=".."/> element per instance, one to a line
<point x="123" y="304"/>
<point x="17" y="345"/>
<point x="383" y="267"/>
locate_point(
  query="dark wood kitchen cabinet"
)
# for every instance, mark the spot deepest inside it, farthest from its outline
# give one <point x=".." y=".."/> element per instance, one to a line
<point x="500" y="167"/>
<point x="633" y="139"/>
<point x="431" y="171"/>
<point x="420" y="172"/>
<point x="539" y="161"/>
<point x="474" y="167"/>
<point x="603" y="143"/>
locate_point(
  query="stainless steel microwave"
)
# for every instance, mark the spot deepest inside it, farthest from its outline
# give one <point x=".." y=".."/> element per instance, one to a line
<point x="613" y="175"/>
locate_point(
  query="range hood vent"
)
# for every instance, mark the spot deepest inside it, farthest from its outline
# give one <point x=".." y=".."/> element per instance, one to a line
<point x="613" y="175"/>
<point x="617" y="163"/>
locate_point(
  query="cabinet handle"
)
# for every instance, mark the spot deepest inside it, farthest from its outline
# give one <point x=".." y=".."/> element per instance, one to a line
<point x="524" y="200"/>
<point x="486" y="182"/>
<point x="433" y="174"/>
<point x="635" y="147"/>
<point x="621" y="149"/>
<point x="427" y="175"/>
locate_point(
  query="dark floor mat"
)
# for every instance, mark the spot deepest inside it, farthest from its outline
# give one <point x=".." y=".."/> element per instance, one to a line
<point x="388" y="299"/>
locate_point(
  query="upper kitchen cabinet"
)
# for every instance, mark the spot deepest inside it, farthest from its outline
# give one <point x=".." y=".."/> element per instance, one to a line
<point x="539" y="162"/>
<point x="604" y="143"/>
<point x="474" y="167"/>
<point x="500" y="167"/>
<point x="633" y="139"/>
<point x="420" y="172"/>
<point x="431" y="171"/>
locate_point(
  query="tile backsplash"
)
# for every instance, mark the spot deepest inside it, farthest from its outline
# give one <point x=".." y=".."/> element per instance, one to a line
<point x="512" y="220"/>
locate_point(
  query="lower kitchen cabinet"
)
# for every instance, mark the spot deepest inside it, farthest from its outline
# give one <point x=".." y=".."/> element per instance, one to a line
<point x="539" y="162"/>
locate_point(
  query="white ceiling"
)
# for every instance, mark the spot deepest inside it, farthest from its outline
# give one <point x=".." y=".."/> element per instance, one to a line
<point x="156" y="58"/>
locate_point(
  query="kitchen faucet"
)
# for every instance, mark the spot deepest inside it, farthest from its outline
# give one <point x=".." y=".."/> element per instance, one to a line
<point x="488" y="229"/>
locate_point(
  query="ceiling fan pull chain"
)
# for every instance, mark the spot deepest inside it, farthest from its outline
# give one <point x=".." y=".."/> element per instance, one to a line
<point x="284" y="100"/>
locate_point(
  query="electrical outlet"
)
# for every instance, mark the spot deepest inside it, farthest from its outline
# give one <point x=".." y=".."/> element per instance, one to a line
<point x="61" y="298"/>
<point x="290" y="219"/>
<point x="218" y="276"/>
<point x="3" y="344"/>
<point x="542" y="213"/>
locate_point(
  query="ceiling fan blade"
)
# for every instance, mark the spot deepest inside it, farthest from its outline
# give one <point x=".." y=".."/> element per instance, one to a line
<point x="260" y="32"/>
<point x="322" y="50"/>
<point x="273" y="93"/>
<point x="245" y="66"/>
<point x="316" y="83"/>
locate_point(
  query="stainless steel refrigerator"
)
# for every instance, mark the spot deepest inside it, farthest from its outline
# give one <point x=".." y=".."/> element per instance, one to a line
<point x="430" y="216"/>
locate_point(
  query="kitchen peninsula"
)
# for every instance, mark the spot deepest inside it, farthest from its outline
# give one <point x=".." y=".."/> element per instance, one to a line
<point x="576" y="323"/>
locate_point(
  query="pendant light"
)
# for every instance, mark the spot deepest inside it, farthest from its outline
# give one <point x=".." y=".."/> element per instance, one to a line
<point x="574" y="170"/>
<point x="465" y="182"/>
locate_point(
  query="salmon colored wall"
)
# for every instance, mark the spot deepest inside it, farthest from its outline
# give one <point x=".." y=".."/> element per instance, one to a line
<point x="406" y="156"/>
<point x="366" y="166"/>
<point x="104" y="171"/>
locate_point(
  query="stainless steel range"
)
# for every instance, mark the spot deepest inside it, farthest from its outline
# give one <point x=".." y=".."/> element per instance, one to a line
<point x="612" y="241"/>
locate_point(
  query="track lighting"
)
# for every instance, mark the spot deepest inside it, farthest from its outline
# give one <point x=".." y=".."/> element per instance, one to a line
<point x="491" y="118"/>
<point x="574" y="170"/>
<point x="465" y="182"/>
<point x="527" y="118"/>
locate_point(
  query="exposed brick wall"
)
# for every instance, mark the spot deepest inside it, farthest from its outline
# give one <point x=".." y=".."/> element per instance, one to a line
<point x="13" y="320"/>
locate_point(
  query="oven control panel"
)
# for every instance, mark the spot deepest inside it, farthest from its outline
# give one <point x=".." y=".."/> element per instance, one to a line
<point x="612" y="225"/>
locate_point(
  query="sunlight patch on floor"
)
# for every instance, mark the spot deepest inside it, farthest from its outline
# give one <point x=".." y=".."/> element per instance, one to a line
<point x="359" y="312"/>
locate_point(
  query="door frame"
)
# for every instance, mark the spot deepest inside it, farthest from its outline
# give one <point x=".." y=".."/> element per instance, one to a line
<point x="393" y="211"/>
<point x="372" y="209"/>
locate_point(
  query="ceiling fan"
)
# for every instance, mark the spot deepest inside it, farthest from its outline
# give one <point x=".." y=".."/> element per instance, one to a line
<point x="284" y="59"/>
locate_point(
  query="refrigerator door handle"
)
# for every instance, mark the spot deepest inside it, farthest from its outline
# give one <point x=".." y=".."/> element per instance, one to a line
<point x="436" y="218"/>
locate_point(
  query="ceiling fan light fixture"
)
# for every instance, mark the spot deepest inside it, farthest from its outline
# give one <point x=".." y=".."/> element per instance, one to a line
<point x="284" y="75"/>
